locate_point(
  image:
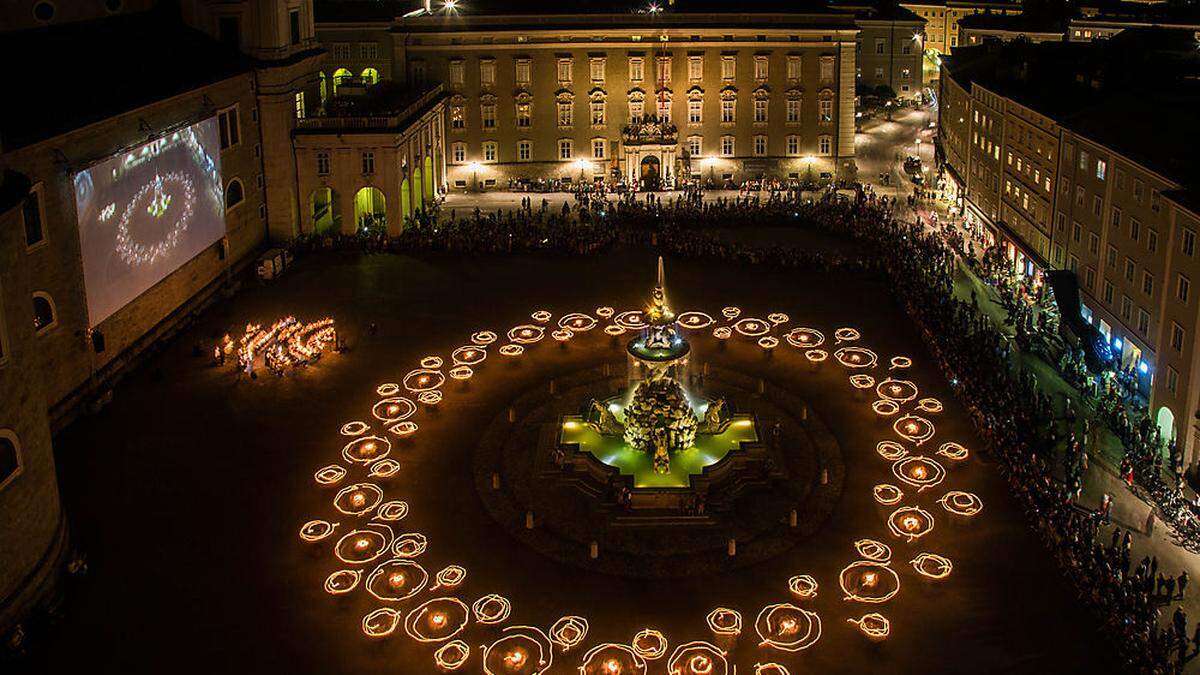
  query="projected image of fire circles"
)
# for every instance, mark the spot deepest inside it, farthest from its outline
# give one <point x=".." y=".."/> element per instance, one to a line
<point x="145" y="212"/>
<point x="666" y="433"/>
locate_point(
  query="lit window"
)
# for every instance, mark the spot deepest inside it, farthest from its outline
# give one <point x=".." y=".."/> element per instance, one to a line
<point x="825" y="110"/>
<point x="598" y="146"/>
<point x="299" y="105"/>
<point x="597" y="113"/>
<point x="523" y="114"/>
<point x="695" y="144"/>
<point x="695" y="111"/>
<point x="566" y="148"/>
<point x="458" y="153"/>
<point x="597" y="70"/>
<point x="760" y="110"/>
<point x="727" y="111"/>
<point x="44" y="317"/>
<point x="760" y="67"/>
<point x="637" y="69"/>
<point x="566" y="115"/>
<point x="727" y="146"/>
<point x="457" y="117"/>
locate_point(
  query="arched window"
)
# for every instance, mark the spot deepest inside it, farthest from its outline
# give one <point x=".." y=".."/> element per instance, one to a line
<point x="44" y="317"/>
<point x="234" y="194"/>
<point x="370" y="76"/>
<point x="10" y="457"/>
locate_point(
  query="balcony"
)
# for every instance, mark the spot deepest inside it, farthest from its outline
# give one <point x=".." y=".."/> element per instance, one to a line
<point x="359" y="114"/>
<point x="649" y="131"/>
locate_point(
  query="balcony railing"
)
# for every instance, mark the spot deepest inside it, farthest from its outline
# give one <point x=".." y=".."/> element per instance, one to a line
<point x="394" y="120"/>
<point x="649" y="130"/>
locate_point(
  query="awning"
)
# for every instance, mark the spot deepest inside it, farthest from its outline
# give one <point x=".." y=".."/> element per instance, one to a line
<point x="1074" y="329"/>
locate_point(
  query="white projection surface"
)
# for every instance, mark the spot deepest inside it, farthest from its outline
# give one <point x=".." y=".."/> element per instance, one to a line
<point x="144" y="213"/>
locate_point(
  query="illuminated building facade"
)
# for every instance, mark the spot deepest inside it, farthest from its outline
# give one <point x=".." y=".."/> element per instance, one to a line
<point x="692" y="92"/>
<point x="1033" y="139"/>
<point x="942" y="32"/>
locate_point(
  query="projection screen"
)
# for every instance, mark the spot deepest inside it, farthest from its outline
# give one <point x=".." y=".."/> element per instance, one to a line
<point x="144" y="213"/>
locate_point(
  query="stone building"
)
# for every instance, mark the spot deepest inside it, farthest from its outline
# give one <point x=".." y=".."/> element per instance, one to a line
<point x="890" y="49"/>
<point x="246" y="69"/>
<point x="580" y="94"/>
<point x="942" y="32"/>
<point x="1035" y="141"/>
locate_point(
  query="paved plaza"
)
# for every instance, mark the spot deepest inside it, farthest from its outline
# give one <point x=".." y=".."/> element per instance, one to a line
<point x="189" y="513"/>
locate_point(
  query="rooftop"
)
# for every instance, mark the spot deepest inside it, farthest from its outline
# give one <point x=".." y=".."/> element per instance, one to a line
<point x="1018" y="23"/>
<point x="110" y="66"/>
<point x="1136" y="93"/>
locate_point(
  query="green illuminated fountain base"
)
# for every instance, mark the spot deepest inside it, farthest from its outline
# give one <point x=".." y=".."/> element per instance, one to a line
<point x="612" y="450"/>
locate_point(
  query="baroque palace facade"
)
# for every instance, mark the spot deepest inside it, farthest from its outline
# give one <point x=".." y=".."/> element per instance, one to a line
<point x="576" y="95"/>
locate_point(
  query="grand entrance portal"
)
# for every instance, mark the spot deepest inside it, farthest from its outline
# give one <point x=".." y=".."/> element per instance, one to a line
<point x="650" y="173"/>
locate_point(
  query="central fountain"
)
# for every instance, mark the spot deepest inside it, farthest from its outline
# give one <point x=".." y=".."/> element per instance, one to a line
<point x="656" y="429"/>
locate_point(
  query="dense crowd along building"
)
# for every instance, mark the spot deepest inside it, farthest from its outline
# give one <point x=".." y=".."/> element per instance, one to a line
<point x="1037" y="147"/>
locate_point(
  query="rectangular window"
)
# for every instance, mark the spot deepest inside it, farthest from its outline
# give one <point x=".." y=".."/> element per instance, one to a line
<point x="1089" y="278"/>
<point x="368" y="51"/>
<point x="299" y="100"/>
<point x="1151" y="241"/>
<point x="1188" y="241"/>
<point x="727" y="146"/>
<point x="793" y="110"/>
<point x="637" y="69"/>
<point x="880" y="45"/>
<point x="794" y="67"/>
<point x="664" y="110"/>
<point x="597" y="108"/>
<point x="487" y="72"/>
<point x="564" y="70"/>
<point x="1101" y="169"/>
<point x="728" y="67"/>
<point x="566" y="149"/>
<point x="1112" y="257"/>
<point x="294" y="25"/>
<point x="1083" y="160"/>
<point x="761" y="66"/>
<point x="760" y="146"/>
<point x="1097" y="205"/>
<point x="596" y="69"/>
<point x="1176" y="337"/>
<point x="31" y="213"/>
<point x="1115" y="218"/>
<point x="598" y="146"/>
<point x="793" y="145"/>
<point x="1135" y="229"/>
<point x="695" y="145"/>
<point x="457" y="73"/>
<point x="825" y="145"/>
<point x="229" y="127"/>
<point x="524" y="151"/>
<point x="826" y="68"/>
<point x="458" y="153"/>
<point x="695" y="111"/>
<point x="524" y="115"/>
<point x="1183" y="288"/>
<point x="1143" y="321"/>
<point x="487" y="115"/>
<point x="1108" y="293"/>
<point x="566" y="114"/>
<point x="524" y="71"/>
<point x="1126" y="307"/>
<point x="727" y="111"/>
<point x="1093" y="242"/>
<point x="636" y="108"/>
<point x="760" y="110"/>
<point x="489" y="151"/>
<point x="457" y="117"/>
<point x="1147" y="283"/>
<point x="695" y="68"/>
<point x="368" y="163"/>
<point x="1130" y="269"/>
<point x="664" y="69"/>
<point x="1076" y="232"/>
<point x="1172" y="379"/>
<point x="825" y="110"/>
<point x="322" y="163"/>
